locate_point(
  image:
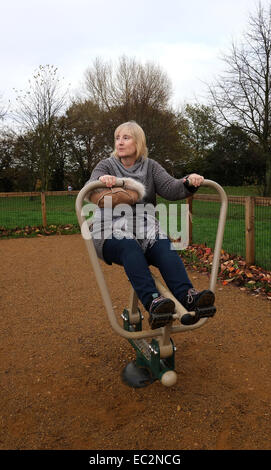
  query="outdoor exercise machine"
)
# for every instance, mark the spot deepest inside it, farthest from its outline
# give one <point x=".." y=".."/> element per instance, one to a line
<point x="155" y="349"/>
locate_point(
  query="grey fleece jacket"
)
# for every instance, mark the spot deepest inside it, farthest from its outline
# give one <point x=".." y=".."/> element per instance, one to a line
<point x="156" y="181"/>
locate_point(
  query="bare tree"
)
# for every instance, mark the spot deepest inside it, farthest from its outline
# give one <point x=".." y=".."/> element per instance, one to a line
<point x="43" y="100"/>
<point x="3" y="109"/>
<point x="38" y="109"/>
<point x="130" y="90"/>
<point x="242" y="95"/>
<point x="128" y="84"/>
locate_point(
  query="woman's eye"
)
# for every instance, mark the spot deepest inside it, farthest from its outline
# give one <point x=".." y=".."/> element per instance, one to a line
<point x="124" y="137"/>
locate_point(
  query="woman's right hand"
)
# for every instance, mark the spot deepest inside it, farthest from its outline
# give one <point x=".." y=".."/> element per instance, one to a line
<point x="108" y="180"/>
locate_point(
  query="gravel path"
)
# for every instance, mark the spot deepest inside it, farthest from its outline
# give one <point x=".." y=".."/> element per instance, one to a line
<point x="61" y="363"/>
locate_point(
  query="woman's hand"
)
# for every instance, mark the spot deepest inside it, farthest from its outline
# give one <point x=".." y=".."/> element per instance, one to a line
<point x="195" y="180"/>
<point x="108" y="180"/>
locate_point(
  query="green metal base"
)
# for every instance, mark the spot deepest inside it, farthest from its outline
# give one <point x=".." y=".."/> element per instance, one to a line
<point x="148" y="366"/>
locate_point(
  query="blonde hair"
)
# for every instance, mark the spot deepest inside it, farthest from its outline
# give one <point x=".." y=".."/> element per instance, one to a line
<point x="138" y="135"/>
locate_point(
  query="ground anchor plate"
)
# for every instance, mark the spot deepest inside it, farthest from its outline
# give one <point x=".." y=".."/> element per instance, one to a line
<point x="135" y="376"/>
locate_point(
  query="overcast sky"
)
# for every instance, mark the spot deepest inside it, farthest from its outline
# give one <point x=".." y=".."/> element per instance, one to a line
<point x="185" y="37"/>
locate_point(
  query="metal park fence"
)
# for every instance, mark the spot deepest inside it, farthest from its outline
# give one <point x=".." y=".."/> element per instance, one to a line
<point x="247" y="231"/>
<point x="18" y="210"/>
<point x="248" y="226"/>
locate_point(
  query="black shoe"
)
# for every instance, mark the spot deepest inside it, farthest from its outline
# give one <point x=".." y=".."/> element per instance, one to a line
<point x="195" y="299"/>
<point x="202" y="303"/>
<point x="161" y="311"/>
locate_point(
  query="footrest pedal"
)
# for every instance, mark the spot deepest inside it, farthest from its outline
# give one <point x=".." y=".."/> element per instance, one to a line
<point x="158" y="320"/>
<point x="203" y="312"/>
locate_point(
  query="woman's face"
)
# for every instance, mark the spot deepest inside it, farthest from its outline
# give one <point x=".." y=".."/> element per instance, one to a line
<point x="125" y="144"/>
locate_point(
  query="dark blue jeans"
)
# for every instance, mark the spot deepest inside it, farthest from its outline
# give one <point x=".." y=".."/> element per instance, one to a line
<point x="129" y="254"/>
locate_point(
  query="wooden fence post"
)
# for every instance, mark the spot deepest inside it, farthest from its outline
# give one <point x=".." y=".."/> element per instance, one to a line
<point x="43" y="209"/>
<point x="250" y="229"/>
<point x="189" y="201"/>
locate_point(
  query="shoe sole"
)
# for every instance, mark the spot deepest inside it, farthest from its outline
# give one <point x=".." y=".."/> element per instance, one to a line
<point x="162" y="315"/>
<point x="165" y="307"/>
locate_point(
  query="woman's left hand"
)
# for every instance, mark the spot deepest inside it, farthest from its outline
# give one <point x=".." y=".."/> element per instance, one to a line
<point x="195" y="180"/>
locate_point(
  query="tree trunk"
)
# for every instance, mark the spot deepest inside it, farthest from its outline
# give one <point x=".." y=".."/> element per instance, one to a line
<point x="267" y="189"/>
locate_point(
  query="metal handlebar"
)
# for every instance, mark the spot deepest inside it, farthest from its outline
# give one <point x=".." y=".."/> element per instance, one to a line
<point x="220" y="230"/>
<point x="100" y="277"/>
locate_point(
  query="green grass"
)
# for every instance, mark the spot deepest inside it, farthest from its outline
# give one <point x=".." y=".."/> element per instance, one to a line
<point x="61" y="210"/>
<point x="233" y="190"/>
<point x="24" y="211"/>
<point x="205" y="219"/>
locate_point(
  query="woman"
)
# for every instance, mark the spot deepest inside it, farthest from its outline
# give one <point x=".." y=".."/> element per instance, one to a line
<point x="130" y="160"/>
